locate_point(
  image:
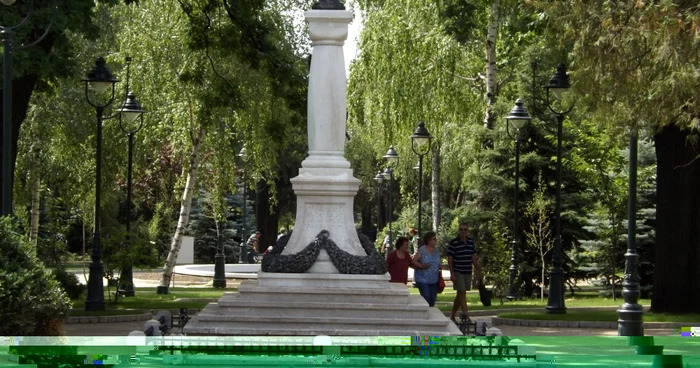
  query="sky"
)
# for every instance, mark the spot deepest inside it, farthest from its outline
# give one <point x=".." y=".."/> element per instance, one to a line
<point x="350" y="47"/>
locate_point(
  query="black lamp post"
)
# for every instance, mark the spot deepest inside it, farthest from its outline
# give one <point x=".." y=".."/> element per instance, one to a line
<point x="130" y="121"/>
<point x="379" y="178"/>
<point x="559" y="85"/>
<point x="219" y="259"/>
<point x="392" y="158"/>
<point x="630" y="313"/>
<point x="518" y="117"/>
<point x="7" y="33"/>
<point x="244" y="240"/>
<point x="420" y="145"/>
<point x="99" y="79"/>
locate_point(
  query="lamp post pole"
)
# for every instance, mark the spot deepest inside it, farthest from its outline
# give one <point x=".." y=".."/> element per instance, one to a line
<point x="420" y="145"/>
<point x="7" y="33"/>
<point x="100" y="78"/>
<point x="244" y="239"/>
<point x="219" y="259"/>
<point x="392" y="159"/>
<point x="518" y="117"/>
<point x="389" y="176"/>
<point x="130" y="111"/>
<point x="630" y="313"/>
<point x="559" y="84"/>
<point x="379" y="178"/>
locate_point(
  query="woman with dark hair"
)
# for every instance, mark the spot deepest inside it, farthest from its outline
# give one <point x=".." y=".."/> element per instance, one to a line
<point x="426" y="274"/>
<point x="399" y="260"/>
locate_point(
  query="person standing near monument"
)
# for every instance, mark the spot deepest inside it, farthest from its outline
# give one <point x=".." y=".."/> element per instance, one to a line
<point x="427" y="260"/>
<point x="399" y="260"/>
<point x="253" y="244"/>
<point x="461" y="258"/>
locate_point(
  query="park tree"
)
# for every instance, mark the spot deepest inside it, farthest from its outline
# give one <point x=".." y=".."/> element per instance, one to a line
<point x="633" y="66"/>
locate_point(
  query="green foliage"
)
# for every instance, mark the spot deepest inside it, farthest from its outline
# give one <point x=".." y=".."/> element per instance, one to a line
<point x="69" y="283"/>
<point x="494" y="256"/>
<point x="30" y="297"/>
<point x="539" y="232"/>
<point x="211" y="232"/>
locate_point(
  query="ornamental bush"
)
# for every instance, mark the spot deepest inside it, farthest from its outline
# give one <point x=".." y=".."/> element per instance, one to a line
<point x="31" y="300"/>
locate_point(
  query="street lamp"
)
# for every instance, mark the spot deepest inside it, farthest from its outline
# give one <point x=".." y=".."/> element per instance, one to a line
<point x="518" y="117"/>
<point x="631" y="313"/>
<point x="99" y="79"/>
<point x="558" y="85"/>
<point x="244" y="239"/>
<point x="130" y="121"/>
<point x="420" y="145"/>
<point x="7" y="33"/>
<point x="379" y="178"/>
<point x="392" y="158"/>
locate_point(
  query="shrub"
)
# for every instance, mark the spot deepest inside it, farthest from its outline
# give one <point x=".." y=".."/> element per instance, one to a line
<point x="69" y="282"/>
<point x="31" y="299"/>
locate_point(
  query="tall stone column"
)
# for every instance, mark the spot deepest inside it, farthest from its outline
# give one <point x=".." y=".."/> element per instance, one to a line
<point x="325" y="187"/>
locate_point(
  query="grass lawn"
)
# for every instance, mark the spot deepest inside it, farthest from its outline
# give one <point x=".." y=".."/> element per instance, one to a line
<point x="580" y="299"/>
<point x="599" y="316"/>
<point x="147" y="299"/>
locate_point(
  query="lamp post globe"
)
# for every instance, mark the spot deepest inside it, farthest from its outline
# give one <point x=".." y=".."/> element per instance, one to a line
<point x="130" y="121"/>
<point x="7" y="2"/>
<point x="99" y="79"/>
<point x="391" y="156"/>
<point x="558" y="85"/>
<point x="420" y="145"/>
<point x="517" y="117"/>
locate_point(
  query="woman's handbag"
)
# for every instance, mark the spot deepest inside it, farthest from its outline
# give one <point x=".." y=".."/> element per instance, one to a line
<point x="441" y="282"/>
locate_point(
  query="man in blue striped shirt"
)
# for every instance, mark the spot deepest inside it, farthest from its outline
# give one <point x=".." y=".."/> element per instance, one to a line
<point x="461" y="256"/>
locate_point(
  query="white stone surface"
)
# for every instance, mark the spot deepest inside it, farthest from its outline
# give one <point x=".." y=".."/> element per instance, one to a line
<point x="334" y="281"/>
<point x="186" y="254"/>
<point x="325" y="187"/>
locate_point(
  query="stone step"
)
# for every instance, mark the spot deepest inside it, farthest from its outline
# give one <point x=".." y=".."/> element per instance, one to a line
<point x="416" y="308"/>
<point x="323" y="280"/>
<point x="214" y="315"/>
<point x="391" y="294"/>
<point x="312" y="330"/>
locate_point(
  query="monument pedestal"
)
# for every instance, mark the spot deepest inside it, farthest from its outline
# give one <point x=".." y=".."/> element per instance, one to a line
<point x="322" y="301"/>
<point x="305" y="304"/>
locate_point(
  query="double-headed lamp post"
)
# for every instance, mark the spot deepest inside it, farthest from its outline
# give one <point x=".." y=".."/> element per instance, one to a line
<point x="517" y="117"/>
<point x="130" y="121"/>
<point x="7" y="33"/>
<point x="559" y="86"/>
<point x="379" y="178"/>
<point x="100" y="80"/>
<point x="392" y="158"/>
<point x="244" y="239"/>
<point x="420" y="145"/>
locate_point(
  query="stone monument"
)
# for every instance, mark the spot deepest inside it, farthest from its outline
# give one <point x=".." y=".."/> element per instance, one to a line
<point x="324" y="278"/>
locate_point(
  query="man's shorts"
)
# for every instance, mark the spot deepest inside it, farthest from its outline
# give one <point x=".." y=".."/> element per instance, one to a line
<point x="462" y="281"/>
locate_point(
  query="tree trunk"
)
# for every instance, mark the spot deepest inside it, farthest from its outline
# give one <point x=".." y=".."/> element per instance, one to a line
<point x="491" y="82"/>
<point x="185" y="207"/>
<point x="436" y="187"/>
<point x="22" y="89"/>
<point x="35" y="178"/>
<point x="677" y="249"/>
<point x="542" y="284"/>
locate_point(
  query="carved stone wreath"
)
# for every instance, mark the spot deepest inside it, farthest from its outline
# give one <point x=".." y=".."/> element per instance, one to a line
<point x="371" y="264"/>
